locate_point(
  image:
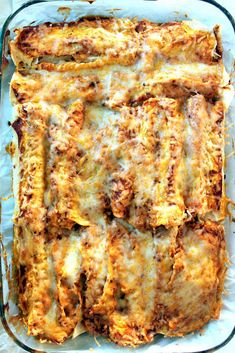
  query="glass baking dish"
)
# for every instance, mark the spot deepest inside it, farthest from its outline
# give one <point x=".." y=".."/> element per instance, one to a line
<point x="217" y="333"/>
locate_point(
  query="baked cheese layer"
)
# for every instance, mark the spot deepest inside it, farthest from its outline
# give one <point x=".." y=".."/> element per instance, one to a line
<point x="119" y="173"/>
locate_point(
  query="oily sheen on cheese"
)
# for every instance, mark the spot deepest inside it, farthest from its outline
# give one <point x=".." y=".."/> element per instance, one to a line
<point x="120" y="195"/>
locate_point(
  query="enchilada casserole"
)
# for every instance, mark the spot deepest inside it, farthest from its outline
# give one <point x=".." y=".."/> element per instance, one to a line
<point x="120" y="193"/>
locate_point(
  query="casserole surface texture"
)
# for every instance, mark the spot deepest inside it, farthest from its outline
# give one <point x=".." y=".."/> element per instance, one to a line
<point x="120" y="128"/>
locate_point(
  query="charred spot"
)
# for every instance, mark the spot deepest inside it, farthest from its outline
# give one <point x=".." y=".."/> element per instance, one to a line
<point x="58" y="151"/>
<point x="106" y="205"/>
<point x="214" y="99"/>
<point x="29" y="197"/>
<point x="6" y="306"/>
<point x="92" y="85"/>
<point x="17" y="126"/>
<point x="67" y="310"/>
<point x="141" y="26"/>
<point x="20" y="97"/>
<point x="76" y="227"/>
<point x="89" y="18"/>
<point x="80" y="153"/>
<point x="83" y="282"/>
<point x="157" y="146"/>
<point x="195" y="222"/>
<point x="25" y="34"/>
<point x="212" y="172"/>
<point x="169" y="24"/>
<point x="141" y="99"/>
<point x="22" y="276"/>
<point x="25" y="45"/>
<point x="220" y="119"/>
<point x="87" y="245"/>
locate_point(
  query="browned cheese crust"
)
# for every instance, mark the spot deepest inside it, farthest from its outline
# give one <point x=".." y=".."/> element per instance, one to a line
<point x="120" y="128"/>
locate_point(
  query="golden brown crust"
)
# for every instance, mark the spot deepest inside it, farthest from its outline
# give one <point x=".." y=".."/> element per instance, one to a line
<point x="185" y="294"/>
<point x="193" y="275"/>
<point x="184" y="41"/>
<point x="145" y="183"/>
<point x="85" y="40"/>
<point x="120" y="126"/>
<point x="112" y="287"/>
<point x="204" y="153"/>
<point x="114" y="86"/>
<point x="64" y="156"/>
<point x="115" y="39"/>
<point x="31" y="129"/>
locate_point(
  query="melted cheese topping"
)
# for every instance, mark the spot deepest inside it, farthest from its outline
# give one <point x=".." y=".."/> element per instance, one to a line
<point x="120" y="127"/>
<point x="204" y="155"/>
<point x="143" y="163"/>
<point x="115" y="85"/>
<point x="121" y="40"/>
<point x="178" y="41"/>
<point x="195" y="252"/>
<point x="86" y="40"/>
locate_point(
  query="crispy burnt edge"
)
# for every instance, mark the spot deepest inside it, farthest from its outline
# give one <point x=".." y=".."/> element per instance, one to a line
<point x="17" y="126"/>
